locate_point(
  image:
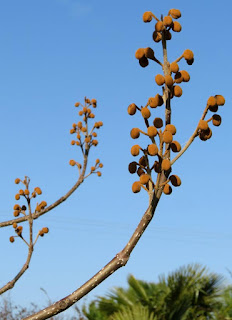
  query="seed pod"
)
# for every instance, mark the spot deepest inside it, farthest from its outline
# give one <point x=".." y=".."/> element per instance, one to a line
<point x="175" y="180"/>
<point x="152" y="131"/>
<point x="12" y="239"/>
<point x="101" y="165"/>
<point x="99" y="174"/>
<point x="140" y="171"/>
<point x="174" y="67"/>
<point x="167" y="137"/>
<point x="176" y="27"/>
<point x="132" y="167"/>
<point x="167" y="21"/>
<point x="168" y="35"/>
<point x="220" y="100"/>
<point x="175" y="146"/>
<point x="41" y="233"/>
<point x="185" y="75"/>
<point x="94" y="134"/>
<point x="167" y="189"/>
<point x="203" y="125"/>
<point x="135" y="133"/>
<point x="136" y="187"/>
<point x="72" y="163"/>
<point x="156" y="101"/>
<point x="21" y="192"/>
<point x="139" y="54"/>
<point x="94" y="101"/>
<point x="85" y="109"/>
<point x="149" y="53"/>
<point x="143" y="161"/>
<point x="95" y="143"/>
<point x="159" y="79"/>
<point x="79" y="124"/>
<point x="73" y="142"/>
<point x="158" y="123"/>
<point x="144" y="178"/>
<point x="178" y="77"/>
<point x="38" y="208"/>
<point x="14" y="225"/>
<point x="157" y="167"/>
<point x="147" y="16"/>
<point x="152" y="150"/>
<point x="159" y="26"/>
<point x="45" y="230"/>
<point x="212" y="102"/>
<point x="17" y="197"/>
<point x="216" y="120"/>
<point x="93" y="169"/>
<point x="205" y="135"/>
<point x="16" y="213"/>
<point x="24" y="208"/>
<point x="135" y="150"/>
<point x="26" y="192"/>
<point x="145" y="113"/>
<point x="17" y="181"/>
<point x="171" y="128"/>
<point x="177" y="91"/>
<point x="83" y="129"/>
<point x="157" y="36"/>
<point x="131" y="109"/>
<point x="17" y="207"/>
<point x="166" y="165"/>
<point x="188" y="54"/>
<point x="87" y="139"/>
<point x="43" y="204"/>
<point x="168" y="80"/>
<point x="91" y="115"/>
<point x="80" y="113"/>
<point x="143" y="62"/>
<point x="77" y="104"/>
<point x="190" y="62"/>
<point x="175" y="13"/>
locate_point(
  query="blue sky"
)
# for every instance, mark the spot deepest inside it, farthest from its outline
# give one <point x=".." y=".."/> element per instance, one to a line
<point x="53" y="53"/>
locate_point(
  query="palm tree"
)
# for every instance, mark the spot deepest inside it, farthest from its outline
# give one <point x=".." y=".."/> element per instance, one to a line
<point x="189" y="293"/>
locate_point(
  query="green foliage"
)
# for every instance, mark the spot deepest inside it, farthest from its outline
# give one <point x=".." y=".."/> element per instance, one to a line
<point x="189" y="293"/>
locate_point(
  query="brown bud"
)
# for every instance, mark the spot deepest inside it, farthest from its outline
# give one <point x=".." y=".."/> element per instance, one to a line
<point x="72" y="163"/>
<point x="135" y="150"/>
<point x="175" y="180"/>
<point x="152" y="131"/>
<point x="159" y="79"/>
<point x="216" y="120"/>
<point x="17" y="197"/>
<point x="158" y="123"/>
<point x="203" y="125"/>
<point x="136" y="187"/>
<point x="188" y="54"/>
<point x="178" y="77"/>
<point x="174" y="67"/>
<point x="159" y="26"/>
<point x="14" y="225"/>
<point x="167" y="21"/>
<point x="167" y="189"/>
<point x="175" y="13"/>
<point x="156" y="101"/>
<point x="157" y="36"/>
<point x="145" y="113"/>
<point x="171" y="128"/>
<point x="166" y="165"/>
<point x="139" y="54"/>
<point x="177" y="91"/>
<point x="176" y="27"/>
<point x="147" y="16"/>
<point x="220" y="100"/>
<point x="168" y="80"/>
<point x="149" y="53"/>
<point x="77" y="104"/>
<point x="17" y="181"/>
<point x="131" y="109"/>
<point x="167" y="137"/>
<point x="185" y="75"/>
<point x="212" y="102"/>
<point x="144" y="178"/>
<point x="45" y="230"/>
<point x="143" y="62"/>
<point x="12" y="239"/>
<point x="135" y="133"/>
<point x="132" y="167"/>
<point x="152" y="150"/>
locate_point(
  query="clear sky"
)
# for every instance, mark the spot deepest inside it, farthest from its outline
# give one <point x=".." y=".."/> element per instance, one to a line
<point x="53" y="53"/>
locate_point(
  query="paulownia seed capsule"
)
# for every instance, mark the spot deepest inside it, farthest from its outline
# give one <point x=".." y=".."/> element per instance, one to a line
<point x="145" y="113"/>
<point x="143" y="161"/>
<point x="135" y="150"/>
<point x="167" y="189"/>
<point x="177" y="91"/>
<point x="158" y="123"/>
<point x="175" y="13"/>
<point x="216" y="120"/>
<point x="167" y="21"/>
<point x="178" y="77"/>
<point x="205" y="135"/>
<point x="220" y="100"/>
<point x="176" y="27"/>
<point x="159" y="26"/>
<point x="157" y="36"/>
<point x="147" y="16"/>
<point x="203" y="125"/>
<point x="168" y="80"/>
<point x="144" y="178"/>
<point x="175" y="146"/>
<point x="167" y="137"/>
<point x="174" y="67"/>
<point x="139" y="53"/>
<point x="159" y="79"/>
<point x="175" y="180"/>
<point x="136" y="187"/>
<point x="211" y="102"/>
<point x="185" y="75"/>
<point x="171" y="128"/>
<point x="135" y="133"/>
<point x="166" y="165"/>
<point x="152" y="131"/>
<point x="152" y="149"/>
<point x="188" y="54"/>
<point x="131" y="109"/>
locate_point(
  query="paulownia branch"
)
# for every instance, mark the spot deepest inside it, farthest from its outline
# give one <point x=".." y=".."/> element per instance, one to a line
<point x="56" y="203"/>
<point x="117" y="262"/>
<point x="191" y="139"/>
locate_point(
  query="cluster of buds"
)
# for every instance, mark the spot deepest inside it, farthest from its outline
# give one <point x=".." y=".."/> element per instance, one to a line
<point x="97" y="165"/>
<point x="213" y="102"/>
<point x="21" y="209"/>
<point x="43" y="231"/>
<point x="85" y="137"/>
<point x="160" y="135"/>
